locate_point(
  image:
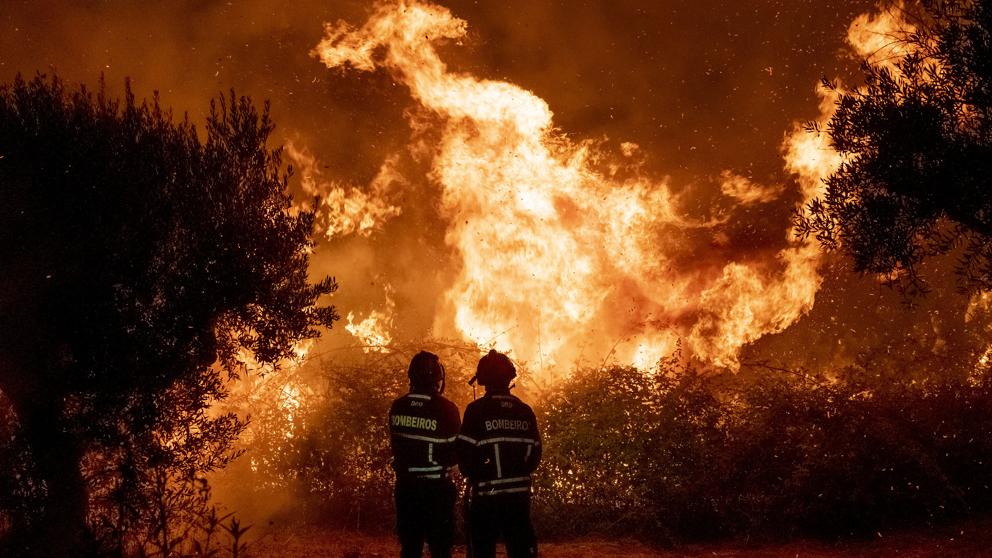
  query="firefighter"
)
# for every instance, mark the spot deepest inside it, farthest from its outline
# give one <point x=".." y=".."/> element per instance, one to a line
<point x="499" y="446"/>
<point x="423" y="426"/>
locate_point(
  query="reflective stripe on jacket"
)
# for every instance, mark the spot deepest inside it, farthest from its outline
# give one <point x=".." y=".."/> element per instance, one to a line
<point x="499" y="445"/>
<point x="423" y="429"/>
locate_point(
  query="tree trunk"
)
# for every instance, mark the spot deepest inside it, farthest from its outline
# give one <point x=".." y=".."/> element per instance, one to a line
<point x="60" y="528"/>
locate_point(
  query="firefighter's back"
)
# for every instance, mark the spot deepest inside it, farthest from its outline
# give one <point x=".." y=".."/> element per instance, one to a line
<point x="505" y="445"/>
<point x="499" y="446"/>
<point x="423" y="426"/>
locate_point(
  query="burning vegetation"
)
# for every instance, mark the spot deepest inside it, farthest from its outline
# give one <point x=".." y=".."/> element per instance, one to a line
<point x="534" y="216"/>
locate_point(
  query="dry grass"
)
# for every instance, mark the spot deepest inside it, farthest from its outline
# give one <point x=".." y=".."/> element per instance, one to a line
<point x="966" y="540"/>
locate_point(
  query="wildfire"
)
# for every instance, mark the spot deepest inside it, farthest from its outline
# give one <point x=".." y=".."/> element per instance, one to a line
<point x="346" y="210"/>
<point x="374" y="330"/>
<point x="881" y="38"/>
<point x="560" y="259"/>
<point x="259" y="390"/>
<point x="746" y="191"/>
<point x="980" y="307"/>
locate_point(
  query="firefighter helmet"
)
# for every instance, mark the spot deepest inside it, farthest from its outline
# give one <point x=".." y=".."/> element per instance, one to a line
<point x="495" y="369"/>
<point x="426" y="371"/>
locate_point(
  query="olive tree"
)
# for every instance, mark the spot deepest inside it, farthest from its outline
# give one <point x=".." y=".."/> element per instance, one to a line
<point x="139" y="255"/>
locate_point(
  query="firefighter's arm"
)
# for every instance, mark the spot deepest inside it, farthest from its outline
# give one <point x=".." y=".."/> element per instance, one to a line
<point x="392" y="439"/>
<point x="451" y="426"/>
<point x="535" y="455"/>
<point x="467" y="444"/>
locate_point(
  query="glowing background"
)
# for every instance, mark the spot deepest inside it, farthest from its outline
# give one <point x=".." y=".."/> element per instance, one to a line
<point x="691" y="99"/>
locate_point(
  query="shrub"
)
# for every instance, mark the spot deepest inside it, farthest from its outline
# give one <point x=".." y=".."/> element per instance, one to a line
<point x="671" y="454"/>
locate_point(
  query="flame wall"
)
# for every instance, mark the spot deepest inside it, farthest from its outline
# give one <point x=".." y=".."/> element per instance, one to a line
<point x="561" y="249"/>
<point x="570" y="182"/>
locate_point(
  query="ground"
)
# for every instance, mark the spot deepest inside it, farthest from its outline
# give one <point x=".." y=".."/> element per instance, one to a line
<point x="965" y="540"/>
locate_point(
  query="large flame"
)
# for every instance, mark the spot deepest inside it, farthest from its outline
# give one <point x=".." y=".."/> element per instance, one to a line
<point x="560" y="259"/>
<point x="374" y="331"/>
<point x="345" y="210"/>
<point x="882" y="38"/>
<point x="259" y="389"/>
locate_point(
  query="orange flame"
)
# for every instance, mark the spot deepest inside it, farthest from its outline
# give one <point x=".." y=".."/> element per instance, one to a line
<point x="261" y="390"/>
<point x="747" y="192"/>
<point x="881" y="38"/>
<point x="346" y="210"/>
<point x="561" y="261"/>
<point x="374" y="330"/>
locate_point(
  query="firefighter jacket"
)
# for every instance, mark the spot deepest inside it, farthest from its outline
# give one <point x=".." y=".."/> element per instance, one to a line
<point x="499" y="445"/>
<point x="423" y="428"/>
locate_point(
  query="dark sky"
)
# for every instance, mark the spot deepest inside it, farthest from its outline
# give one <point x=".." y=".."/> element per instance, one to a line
<point x="700" y="85"/>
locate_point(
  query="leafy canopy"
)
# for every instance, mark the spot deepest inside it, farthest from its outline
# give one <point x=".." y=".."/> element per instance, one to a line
<point x="140" y="255"/>
<point x="918" y="145"/>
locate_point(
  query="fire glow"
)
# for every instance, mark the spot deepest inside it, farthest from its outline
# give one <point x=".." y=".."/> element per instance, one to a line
<point x="562" y="257"/>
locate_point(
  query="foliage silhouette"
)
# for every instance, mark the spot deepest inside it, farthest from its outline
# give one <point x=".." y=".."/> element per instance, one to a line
<point x="896" y="439"/>
<point x="918" y="145"/>
<point x="332" y="457"/>
<point x="140" y="255"/>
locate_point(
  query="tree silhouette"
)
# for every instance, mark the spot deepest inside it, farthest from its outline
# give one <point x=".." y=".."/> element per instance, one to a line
<point x="139" y="255"/>
<point x="918" y="142"/>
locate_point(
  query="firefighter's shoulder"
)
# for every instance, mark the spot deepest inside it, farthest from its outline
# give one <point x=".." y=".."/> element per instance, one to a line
<point x="505" y="401"/>
<point x="443" y="401"/>
<point x="446" y="405"/>
<point x="476" y="407"/>
<point x="475" y="412"/>
<point x="412" y="401"/>
<point x="397" y="403"/>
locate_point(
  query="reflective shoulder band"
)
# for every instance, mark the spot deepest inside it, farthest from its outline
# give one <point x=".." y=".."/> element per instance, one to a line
<point x="424" y="469"/>
<point x="424" y="438"/>
<point x="504" y="481"/>
<point x="507" y="439"/>
<point x="503" y="491"/>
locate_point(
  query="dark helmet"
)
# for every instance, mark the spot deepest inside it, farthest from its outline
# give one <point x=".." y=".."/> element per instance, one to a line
<point x="495" y="370"/>
<point x="426" y="371"/>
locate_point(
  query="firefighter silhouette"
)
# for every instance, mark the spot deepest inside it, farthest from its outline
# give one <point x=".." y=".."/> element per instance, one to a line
<point x="499" y="446"/>
<point x="423" y="426"/>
